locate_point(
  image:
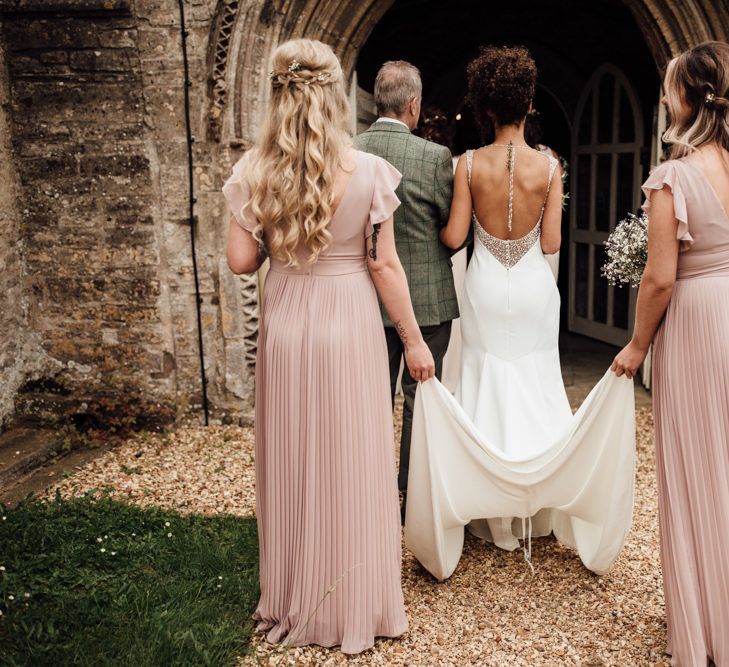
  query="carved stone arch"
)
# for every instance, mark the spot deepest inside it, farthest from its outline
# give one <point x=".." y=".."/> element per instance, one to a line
<point x="219" y="51"/>
<point x="246" y="31"/>
<point x="672" y="26"/>
<point x="257" y="29"/>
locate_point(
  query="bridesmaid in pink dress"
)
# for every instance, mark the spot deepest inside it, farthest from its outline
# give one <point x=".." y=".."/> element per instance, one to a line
<point x="684" y="296"/>
<point x="327" y="500"/>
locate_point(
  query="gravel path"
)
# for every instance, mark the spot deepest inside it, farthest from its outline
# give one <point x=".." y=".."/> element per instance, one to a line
<point x="490" y="612"/>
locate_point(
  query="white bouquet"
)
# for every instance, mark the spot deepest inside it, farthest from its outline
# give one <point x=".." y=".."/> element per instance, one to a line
<point x="627" y="251"/>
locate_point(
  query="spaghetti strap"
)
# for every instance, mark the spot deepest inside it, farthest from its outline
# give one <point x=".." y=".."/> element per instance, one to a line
<point x="469" y="164"/>
<point x="552" y="168"/>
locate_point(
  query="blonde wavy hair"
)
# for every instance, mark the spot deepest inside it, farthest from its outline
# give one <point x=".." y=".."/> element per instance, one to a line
<point x="294" y="164"/>
<point x="698" y="80"/>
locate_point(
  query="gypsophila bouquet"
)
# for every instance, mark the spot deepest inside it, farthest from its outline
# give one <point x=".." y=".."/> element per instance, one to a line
<point x="565" y="177"/>
<point x="627" y="251"/>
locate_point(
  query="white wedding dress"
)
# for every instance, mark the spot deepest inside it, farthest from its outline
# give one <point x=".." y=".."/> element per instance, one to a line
<point x="505" y="454"/>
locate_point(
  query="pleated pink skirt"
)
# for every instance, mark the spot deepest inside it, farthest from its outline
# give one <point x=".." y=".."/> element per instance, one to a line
<point x="328" y="513"/>
<point x="691" y="405"/>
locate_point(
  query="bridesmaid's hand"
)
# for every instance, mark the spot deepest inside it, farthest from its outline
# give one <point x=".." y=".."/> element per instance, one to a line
<point x="629" y="360"/>
<point x="419" y="360"/>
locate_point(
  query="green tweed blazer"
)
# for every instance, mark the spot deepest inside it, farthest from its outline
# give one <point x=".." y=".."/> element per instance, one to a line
<point x="425" y="191"/>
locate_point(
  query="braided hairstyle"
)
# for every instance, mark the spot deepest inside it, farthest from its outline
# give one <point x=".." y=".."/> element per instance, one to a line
<point x="697" y="95"/>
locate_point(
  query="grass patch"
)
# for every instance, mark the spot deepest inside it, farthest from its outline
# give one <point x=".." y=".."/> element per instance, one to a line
<point x="93" y="581"/>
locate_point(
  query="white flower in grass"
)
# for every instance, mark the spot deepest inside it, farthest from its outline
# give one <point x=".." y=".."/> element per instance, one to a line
<point x="11" y="597"/>
<point x="98" y="539"/>
<point x="113" y="553"/>
<point x="2" y="568"/>
<point x="169" y="534"/>
<point x="221" y="578"/>
<point x="5" y="518"/>
<point x="103" y="550"/>
<point x="134" y="534"/>
<point x="26" y="595"/>
<point x="167" y="524"/>
<point x="220" y="586"/>
<point x="1" y="612"/>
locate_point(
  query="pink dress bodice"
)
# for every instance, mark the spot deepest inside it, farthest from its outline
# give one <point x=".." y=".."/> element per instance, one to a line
<point x="703" y="223"/>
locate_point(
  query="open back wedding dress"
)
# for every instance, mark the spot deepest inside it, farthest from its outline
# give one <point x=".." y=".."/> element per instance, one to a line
<point x="506" y="454"/>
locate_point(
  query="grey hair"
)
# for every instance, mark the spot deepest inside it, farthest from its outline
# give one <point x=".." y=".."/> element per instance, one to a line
<point x="397" y="82"/>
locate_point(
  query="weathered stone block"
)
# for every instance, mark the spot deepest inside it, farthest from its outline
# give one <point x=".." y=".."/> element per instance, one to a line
<point x="114" y="165"/>
<point x="39" y="169"/>
<point x="101" y="60"/>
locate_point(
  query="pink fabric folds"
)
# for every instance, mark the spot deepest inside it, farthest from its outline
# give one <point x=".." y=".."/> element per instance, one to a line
<point x="691" y="406"/>
<point x="237" y="192"/>
<point x="384" y="199"/>
<point x="667" y="175"/>
<point x="326" y="489"/>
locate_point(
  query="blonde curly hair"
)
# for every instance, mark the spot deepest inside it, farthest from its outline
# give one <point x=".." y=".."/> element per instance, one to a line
<point x="294" y="164"/>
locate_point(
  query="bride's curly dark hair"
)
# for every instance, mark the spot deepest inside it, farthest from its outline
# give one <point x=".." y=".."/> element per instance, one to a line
<point x="502" y="81"/>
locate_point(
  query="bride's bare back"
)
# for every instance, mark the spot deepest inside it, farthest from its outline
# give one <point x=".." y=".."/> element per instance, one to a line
<point x="490" y="189"/>
<point x="487" y="194"/>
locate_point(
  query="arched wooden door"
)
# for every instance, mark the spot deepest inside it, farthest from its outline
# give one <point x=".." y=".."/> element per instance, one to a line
<point x="606" y="174"/>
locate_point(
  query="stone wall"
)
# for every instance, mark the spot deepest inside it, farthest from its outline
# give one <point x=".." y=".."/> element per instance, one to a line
<point x="20" y="354"/>
<point x="98" y="137"/>
<point x="89" y="219"/>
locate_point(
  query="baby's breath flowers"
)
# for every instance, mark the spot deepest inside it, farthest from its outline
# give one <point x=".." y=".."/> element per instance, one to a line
<point x="627" y="251"/>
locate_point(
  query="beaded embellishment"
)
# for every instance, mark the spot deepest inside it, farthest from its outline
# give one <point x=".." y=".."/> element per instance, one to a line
<point x="507" y="251"/>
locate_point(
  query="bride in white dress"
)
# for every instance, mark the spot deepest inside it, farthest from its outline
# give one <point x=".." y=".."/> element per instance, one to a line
<point x="505" y="454"/>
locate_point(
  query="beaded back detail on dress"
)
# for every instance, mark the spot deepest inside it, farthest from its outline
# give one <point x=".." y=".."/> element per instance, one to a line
<point x="509" y="251"/>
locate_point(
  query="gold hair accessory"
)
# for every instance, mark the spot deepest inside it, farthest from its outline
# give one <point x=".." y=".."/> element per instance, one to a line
<point x="295" y="67"/>
<point x="709" y="99"/>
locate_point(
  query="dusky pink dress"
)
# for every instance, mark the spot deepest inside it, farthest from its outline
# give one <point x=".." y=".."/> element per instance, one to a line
<point x="326" y="489"/>
<point x="691" y="406"/>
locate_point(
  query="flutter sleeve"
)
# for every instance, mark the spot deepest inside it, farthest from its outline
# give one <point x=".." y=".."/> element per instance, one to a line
<point x="384" y="199"/>
<point x="238" y="194"/>
<point x="664" y="175"/>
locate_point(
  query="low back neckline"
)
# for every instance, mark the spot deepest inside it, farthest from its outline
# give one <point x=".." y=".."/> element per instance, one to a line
<point x="709" y="186"/>
<point x="347" y="187"/>
<point x="552" y="161"/>
<point x="509" y="252"/>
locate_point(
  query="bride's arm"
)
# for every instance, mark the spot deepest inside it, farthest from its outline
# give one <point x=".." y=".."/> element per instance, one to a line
<point x="392" y="286"/>
<point x="455" y="233"/>
<point x="552" y="220"/>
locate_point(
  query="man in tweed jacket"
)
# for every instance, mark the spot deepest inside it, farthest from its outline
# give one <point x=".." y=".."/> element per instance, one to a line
<point x="425" y="191"/>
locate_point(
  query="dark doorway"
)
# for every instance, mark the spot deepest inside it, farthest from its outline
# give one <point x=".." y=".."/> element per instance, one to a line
<point x="570" y="40"/>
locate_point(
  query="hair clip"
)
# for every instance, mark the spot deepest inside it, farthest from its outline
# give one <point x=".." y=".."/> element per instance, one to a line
<point x="295" y="66"/>
<point x="709" y="99"/>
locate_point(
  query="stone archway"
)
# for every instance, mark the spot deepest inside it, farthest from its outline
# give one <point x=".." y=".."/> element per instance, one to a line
<point x="244" y="34"/>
